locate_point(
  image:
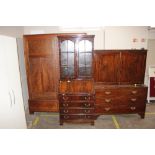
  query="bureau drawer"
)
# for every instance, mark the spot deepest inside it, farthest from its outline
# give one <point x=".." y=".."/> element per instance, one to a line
<point x="76" y="117"/>
<point x="101" y="109"/>
<point x="76" y="111"/>
<point x="76" y="97"/>
<point x="81" y="104"/>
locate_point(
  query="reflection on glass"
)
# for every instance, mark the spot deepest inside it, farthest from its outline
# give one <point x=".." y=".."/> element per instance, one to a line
<point x="67" y="46"/>
<point x="71" y="59"/>
<point x="84" y="71"/>
<point x="63" y="58"/>
<point x="85" y="45"/>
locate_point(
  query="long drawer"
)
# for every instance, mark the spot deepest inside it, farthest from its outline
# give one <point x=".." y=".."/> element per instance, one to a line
<point x="121" y="100"/>
<point x="102" y="109"/>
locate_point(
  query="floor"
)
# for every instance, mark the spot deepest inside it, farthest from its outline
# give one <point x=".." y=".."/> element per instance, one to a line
<point x="127" y="121"/>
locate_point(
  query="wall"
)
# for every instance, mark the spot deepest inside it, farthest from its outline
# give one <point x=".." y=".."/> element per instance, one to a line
<point x="123" y="37"/>
<point x="13" y="31"/>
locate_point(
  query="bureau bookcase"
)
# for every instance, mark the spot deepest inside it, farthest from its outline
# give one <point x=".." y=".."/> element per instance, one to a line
<point x="66" y="75"/>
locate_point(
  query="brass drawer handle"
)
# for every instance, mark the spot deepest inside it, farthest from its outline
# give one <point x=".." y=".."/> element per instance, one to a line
<point x="87" y="98"/>
<point x="107" y="100"/>
<point x="87" y="111"/>
<point x="107" y="92"/>
<point x="107" y="109"/>
<point x="65" y="105"/>
<point x="65" y="111"/>
<point x="133" y="108"/>
<point x="133" y="99"/>
<point x="134" y="92"/>
<point x="87" y="105"/>
<point x="65" y="98"/>
<point x="66" y="117"/>
<point x="87" y="116"/>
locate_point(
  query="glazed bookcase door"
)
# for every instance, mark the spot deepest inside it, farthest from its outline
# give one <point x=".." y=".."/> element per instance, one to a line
<point x="67" y="55"/>
<point x="84" y="52"/>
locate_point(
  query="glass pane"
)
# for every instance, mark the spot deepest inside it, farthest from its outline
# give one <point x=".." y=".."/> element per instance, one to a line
<point x="81" y="59"/>
<point x="63" y="58"/>
<point x="67" y="45"/>
<point x="71" y="59"/>
<point x="64" y="72"/>
<point x="88" y="59"/>
<point x="85" y="45"/>
<point x="81" y="71"/>
<point x="70" y="72"/>
<point x="88" y="71"/>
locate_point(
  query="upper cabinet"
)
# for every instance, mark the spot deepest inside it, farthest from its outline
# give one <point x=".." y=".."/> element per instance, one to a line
<point x="119" y="66"/>
<point x="76" y="56"/>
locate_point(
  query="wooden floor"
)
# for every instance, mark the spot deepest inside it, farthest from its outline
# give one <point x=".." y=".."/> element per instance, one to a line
<point x="131" y="121"/>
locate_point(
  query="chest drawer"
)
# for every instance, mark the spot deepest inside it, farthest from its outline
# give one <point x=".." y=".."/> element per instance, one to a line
<point x="77" y="111"/>
<point x="102" y="109"/>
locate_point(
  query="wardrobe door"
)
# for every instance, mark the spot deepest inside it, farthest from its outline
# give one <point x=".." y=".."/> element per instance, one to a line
<point x="106" y="67"/>
<point x="132" y="69"/>
<point x="42" y="62"/>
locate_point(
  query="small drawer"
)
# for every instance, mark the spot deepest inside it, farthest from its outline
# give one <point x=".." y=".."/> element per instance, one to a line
<point x="76" y="104"/>
<point x="76" y="117"/>
<point x="77" y="111"/>
<point x="106" y="92"/>
<point x="76" y="97"/>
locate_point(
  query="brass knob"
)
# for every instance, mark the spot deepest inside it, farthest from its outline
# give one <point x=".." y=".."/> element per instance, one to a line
<point x="133" y="99"/>
<point x="107" y="109"/>
<point x="87" y="98"/>
<point x="134" y="92"/>
<point x="87" y="105"/>
<point x="68" y="81"/>
<point x="65" y="111"/>
<point x="66" y="117"/>
<point x="65" y="105"/>
<point x="132" y="108"/>
<point x="107" y="92"/>
<point x="87" y="111"/>
<point x="65" y="98"/>
<point x="107" y="100"/>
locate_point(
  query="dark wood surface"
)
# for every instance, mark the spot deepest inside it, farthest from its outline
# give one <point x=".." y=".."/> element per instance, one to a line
<point x="120" y="99"/>
<point x="119" y="66"/>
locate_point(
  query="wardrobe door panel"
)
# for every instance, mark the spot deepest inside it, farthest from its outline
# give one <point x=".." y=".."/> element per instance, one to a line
<point x="132" y="68"/>
<point x="106" y="67"/>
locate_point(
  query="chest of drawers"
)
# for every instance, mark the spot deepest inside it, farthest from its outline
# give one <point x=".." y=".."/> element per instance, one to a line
<point x="76" y="107"/>
<point x="120" y="99"/>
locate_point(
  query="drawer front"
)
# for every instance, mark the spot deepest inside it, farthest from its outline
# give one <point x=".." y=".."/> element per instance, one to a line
<point x="77" y="111"/>
<point x="76" y="104"/>
<point x="106" y="93"/>
<point x="76" y="97"/>
<point x="76" y="117"/>
<point x="133" y="91"/>
<point x="102" y="109"/>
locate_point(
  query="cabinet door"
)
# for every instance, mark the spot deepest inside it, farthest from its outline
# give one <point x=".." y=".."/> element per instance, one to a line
<point x="85" y="58"/>
<point x="42" y="66"/>
<point x="106" y="67"/>
<point x="67" y="55"/>
<point x="132" y="68"/>
<point x="11" y="103"/>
